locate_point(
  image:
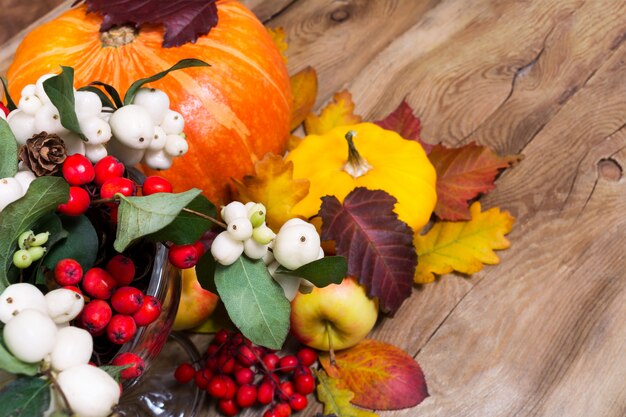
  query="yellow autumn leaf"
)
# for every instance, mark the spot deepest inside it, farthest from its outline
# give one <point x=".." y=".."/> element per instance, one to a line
<point x="279" y="37"/>
<point x="339" y="112"/>
<point x="462" y="246"/>
<point x="274" y="186"/>
<point x="304" y="91"/>
<point x="336" y="400"/>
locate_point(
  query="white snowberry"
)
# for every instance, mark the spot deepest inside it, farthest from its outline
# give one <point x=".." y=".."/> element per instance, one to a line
<point x="22" y="125"/>
<point x="106" y="113"/>
<point x="2" y="115"/>
<point x="132" y="126"/>
<point x="96" y="130"/>
<point x="48" y="120"/>
<point x="173" y="123"/>
<point x="29" y="104"/>
<point x="73" y="144"/>
<point x="90" y="391"/>
<point x="225" y="249"/>
<point x="63" y="305"/>
<point x="41" y="93"/>
<point x="87" y="104"/>
<point x="240" y="228"/>
<point x="18" y="297"/>
<point x="95" y="152"/>
<point x="158" y="139"/>
<point x="253" y="249"/>
<point x="296" y="244"/>
<point x="73" y="346"/>
<point x="24" y="178"/>
<point x="30" y="335"/>
<point x="157" y="159"/>
<point x="128" y="156"/>
<point x="29" y="90"/>
<point x="176" y="145"/>
<point x="10" y="190"/>
<point x="155" y="101"/>
<point x="233" y="210"/>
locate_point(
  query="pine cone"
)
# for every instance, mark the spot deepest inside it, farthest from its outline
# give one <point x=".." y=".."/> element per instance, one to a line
<point x="43" y="154"/>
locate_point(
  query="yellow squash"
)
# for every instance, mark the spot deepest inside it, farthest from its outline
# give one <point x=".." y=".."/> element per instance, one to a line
<point x="366" y="155"/>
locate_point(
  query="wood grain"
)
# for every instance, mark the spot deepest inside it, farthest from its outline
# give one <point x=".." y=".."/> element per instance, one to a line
<point x="544" y="332"/>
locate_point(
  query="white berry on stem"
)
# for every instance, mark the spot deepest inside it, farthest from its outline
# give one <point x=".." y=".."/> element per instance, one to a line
<point x="95" y="152"/>
<point x="47" y="119"/>
<point x="132" y="126"/>
<point x="18" y="297"/>
<point x="73" y="144"/>
<point x="157" y="159"/>
<point x="225" y="249"/>
<point x="10" y="190"/>
<point x="233" y="210"/>
<point x="155" y="101"/>
<point x="22" y="125"/>
<point x="73" y="346"/>
<point x="297" y="243"/>
<point x="30" y="336"/>
<point x="24" y="178"/>
<point x="240" y="228"/>
<point x="253" y="249"/>
<point x="63" y="305"/>
<point x="90" y="391"/>
<point x="175" y="145"/>
<point x="128" y="156"/>
<point x="29" y="104"/>
<point x="87" y="104"/>
<point x="173" y="123"/>
<point x="96" y="130"/>
<point x="39" y="90"/>
<point x="158" y="139"/>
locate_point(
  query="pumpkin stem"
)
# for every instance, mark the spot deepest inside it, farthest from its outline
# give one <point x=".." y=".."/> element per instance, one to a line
<point x="118" y="36"/>
<point x="356" y="165"/>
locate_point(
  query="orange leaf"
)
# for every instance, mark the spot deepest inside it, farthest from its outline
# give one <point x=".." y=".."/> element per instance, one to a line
<point x="462" y="246"/>
<point x="304" y="90"/>
<point x="279" y="37"/>
<point x="340" y="112"/>
<point x="382" y="376"/>
<point x="336" y="399"/>
<point x="462" y="174"/>
<point x="274" y="186"/>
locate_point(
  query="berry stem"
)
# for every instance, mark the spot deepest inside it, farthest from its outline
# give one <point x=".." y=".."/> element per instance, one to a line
<point x="104" y="200"/>
<point x="204" y="216"/>
<point x="56" y="386"/>
<point x="331" y="351"/>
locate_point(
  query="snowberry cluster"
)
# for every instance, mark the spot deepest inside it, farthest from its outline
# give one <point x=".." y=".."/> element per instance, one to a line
<point x="14" y="188"/>
<point x="37" y="329"/>
<point x="145" y="131"/>
<point x="116" y="308"/>
<point x="246" y="232"/>
<point x="30" y="248"/>
<point x="240" y="375"/>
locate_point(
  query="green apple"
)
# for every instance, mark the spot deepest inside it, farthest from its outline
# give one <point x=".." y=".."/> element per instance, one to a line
<point x="334" y="317"/>
<point x="196" y="303"/>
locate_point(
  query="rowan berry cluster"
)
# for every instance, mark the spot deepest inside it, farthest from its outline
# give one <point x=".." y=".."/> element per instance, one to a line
<point x="240" y="375"/>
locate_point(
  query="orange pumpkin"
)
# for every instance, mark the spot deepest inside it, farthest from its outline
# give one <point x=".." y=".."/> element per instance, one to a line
<point x="235" y="111"/>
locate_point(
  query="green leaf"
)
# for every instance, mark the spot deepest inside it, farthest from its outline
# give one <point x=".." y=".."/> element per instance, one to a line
<point x="205" y="271"/>
<point x="188" y="227"/>
<point x="10" y="103"/>
<point x="60" y="90"/>
<point x="25" y="397"/>
<point x="43" y="197"/>
<point x="141" y="216"/>
<point x="183" y="63"/>
<point x="112" y="92"/>
<point x="255" y="302"/>
<point x="322" y="272"/>
<point x="115" y="371"/>
<point x="8" y="151"/>
<point x="81" y="243"/>
<point x="104" y="99"/>
<point x="13" y="365"/>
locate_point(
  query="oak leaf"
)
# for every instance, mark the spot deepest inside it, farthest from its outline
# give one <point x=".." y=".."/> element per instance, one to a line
<point x="462" y="246"/>
<point x="304" y="91"/>
<point x="184" y="20"/>
<point x="336" y="400"/>
<point x="404" y="122"/>
<point x="378" y="246"/>
<point x="279" y="37"/>
<point x="381" y="376"/>
<point x="462" y="175"/>
<point x="339" y="112"/>
<point x="274" y="186"/>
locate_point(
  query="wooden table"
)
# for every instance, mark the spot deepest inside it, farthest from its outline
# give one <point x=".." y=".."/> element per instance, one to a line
<point x="543" y="333"/>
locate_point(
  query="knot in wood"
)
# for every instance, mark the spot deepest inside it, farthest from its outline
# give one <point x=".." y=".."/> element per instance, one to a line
<point x="609" y="169"/>
<point x="340" y="15"/>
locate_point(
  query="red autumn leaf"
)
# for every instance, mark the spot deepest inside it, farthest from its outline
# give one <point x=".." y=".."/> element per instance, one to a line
<point x="378" y="246"/>
<point x="381" y="376"/>
<point x="405" y="123"/>
<point x="184" y="20"/>
<point x="462" y="174"/>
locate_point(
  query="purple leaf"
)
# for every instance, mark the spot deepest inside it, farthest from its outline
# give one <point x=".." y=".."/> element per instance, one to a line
<point x="378" y="246"/>
<point x="403" y="122"/>
<point x="183" y="20"/>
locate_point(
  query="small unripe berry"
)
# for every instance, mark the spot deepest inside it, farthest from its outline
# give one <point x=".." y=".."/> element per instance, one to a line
<point x="22" y="259"/>
<point x="36" y="252"/>
<point x="40" y="239"/>
<point x="26" y="239"/>
<point x="256" y="214"/>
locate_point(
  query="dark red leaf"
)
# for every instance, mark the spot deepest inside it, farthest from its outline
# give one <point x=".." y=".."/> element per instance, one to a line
<point x="462" y="174"/>
<point x="405" y="123"/>
<point x="184" y="20"/>
<point x="378" y="246"/>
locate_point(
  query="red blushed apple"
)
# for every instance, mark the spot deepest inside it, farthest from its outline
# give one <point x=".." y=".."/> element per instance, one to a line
<point x="337" y="316"/>
<point x="196" y="303"/>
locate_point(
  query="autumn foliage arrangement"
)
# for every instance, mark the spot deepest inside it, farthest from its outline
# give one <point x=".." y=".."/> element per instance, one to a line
<point x="389" y="210"/>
